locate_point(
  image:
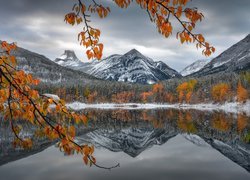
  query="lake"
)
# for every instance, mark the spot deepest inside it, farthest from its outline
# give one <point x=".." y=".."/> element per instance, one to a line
<point x="147" y="143"/>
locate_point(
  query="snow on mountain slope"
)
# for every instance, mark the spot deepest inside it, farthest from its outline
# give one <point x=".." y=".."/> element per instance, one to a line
<point x="236" y="58"/>
<point x="195" y="139"/>
<point x="101" y="67"/>
<point x="131" y="67"/>
<point x="68" y="59"/>
<point x="132" y="141"/>
<point x="46" y="70"/>
<point x="194" y="67"/>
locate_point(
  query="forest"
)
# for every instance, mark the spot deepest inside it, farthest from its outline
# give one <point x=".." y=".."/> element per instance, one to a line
<point x="230" y="87"/>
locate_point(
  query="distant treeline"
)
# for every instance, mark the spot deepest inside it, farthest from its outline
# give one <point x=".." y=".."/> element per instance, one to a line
<point x="220" y="87"/>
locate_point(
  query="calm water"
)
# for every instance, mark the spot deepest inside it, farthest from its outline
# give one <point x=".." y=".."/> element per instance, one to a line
<point x="148" y="144"/>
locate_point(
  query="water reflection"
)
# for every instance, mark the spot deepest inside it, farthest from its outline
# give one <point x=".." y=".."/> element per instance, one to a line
<point x="165" y="143"/>
<point x="134" y="131"/>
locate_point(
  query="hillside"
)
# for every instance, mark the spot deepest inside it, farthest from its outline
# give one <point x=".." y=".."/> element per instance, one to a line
<point x="131" y="67"/>
<point x="234" y="59"/>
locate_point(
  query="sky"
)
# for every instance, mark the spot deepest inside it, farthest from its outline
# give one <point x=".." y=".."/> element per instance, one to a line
<point x="39" y="26"/>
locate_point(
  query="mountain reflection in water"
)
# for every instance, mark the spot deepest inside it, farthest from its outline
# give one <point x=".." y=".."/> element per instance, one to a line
<point x="159" y="143"/>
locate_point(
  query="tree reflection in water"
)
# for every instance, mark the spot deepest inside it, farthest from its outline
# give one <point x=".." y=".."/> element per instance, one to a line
<point x="133" y="131"/>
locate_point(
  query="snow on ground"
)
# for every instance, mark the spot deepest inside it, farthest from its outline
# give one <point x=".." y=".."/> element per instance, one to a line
<point x="231" y="107"/>
<point x="53" y="96"/>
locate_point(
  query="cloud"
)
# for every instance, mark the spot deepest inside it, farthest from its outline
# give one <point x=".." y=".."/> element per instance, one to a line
<point x="39" y="26"/>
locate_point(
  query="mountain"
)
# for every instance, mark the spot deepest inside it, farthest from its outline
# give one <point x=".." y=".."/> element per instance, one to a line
<point x="131" y="67"/>
<point x="54" y="76"/>
<point x="48" y="71"/>
<point x="167" y="70"/>
<point x="234" y="59"/>
<point x="68" y="59"/>
<point x="131" y="141"/>
<point x="194" y="67"/>
<point x="236" y="151"/>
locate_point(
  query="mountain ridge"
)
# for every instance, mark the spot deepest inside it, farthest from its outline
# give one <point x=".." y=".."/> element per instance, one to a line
<point x="236" y="58"/>
<point x="47" y="70"/>
<point x="131" y="67"/>
<point x="194" y="67"/>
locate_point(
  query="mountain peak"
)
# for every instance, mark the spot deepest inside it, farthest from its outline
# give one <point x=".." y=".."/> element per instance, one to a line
<point x="67" y="51"/>
<point x="134" y="52"/>
<point x="68" y="59"/>
<point x="68" y="55"/>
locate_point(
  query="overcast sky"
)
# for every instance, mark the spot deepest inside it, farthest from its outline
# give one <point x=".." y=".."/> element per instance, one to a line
<point x="39" y="27"/>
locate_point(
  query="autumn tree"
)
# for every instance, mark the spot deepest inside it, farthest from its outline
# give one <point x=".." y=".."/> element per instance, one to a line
<point x="188" y="97"/>
<point x="169" y="97"/>
<point x="123" y="97"/>
<point x="158" y="88"/>
<point x="242" y="93"/>
<point x="180" y="90"/>
<point x="145" y="96"/>
<point x="220" y="92"/>
<point x="185" y="90"/>
<point x="158" y="91"/>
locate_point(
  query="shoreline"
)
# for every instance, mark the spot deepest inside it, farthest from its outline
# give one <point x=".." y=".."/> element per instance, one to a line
<point x="230" y="107"/>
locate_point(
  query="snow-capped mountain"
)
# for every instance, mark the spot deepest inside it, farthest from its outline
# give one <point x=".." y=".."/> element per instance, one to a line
<point x="194" y="67"/>
<point x="68" y="59"/>
<point x="48" y="71"/>
<point x="131" y="141"/>
<point x="236" y="58"/>
<point x="130" y="67"/>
